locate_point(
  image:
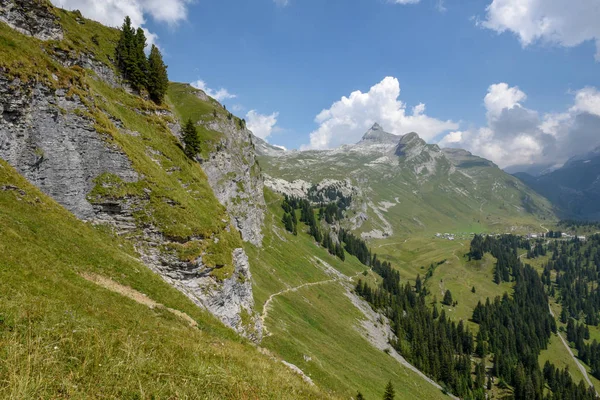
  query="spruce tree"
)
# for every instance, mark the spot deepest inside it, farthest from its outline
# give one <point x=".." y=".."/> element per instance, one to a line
<point x="190" y="139"/>
<point x="447" y="298"/>
<point x="389" y="394"/>
<point x="158" y="80"/>
<point x="124" y="48"/>
<point x="138" y="75"/>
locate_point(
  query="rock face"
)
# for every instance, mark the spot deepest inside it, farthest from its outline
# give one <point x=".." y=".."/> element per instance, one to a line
<point x="234" y="175"/>
<point x="231" y="301"/>
<point x="49" y="135"/>
<point x="43" y="134"/>
<point x="31" y="17"/>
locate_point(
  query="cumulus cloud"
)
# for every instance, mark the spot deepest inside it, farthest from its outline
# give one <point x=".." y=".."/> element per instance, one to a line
<point x="217" y="94"/>
<point x="113" y="12"/>
<point x="350" y="117"/>
<point x="563" y="22"/>
<point x="516" y="135"/>
<point x="261" y="125"/>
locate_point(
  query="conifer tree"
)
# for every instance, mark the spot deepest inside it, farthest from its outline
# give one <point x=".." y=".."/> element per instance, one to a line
<point x="389" y="394"/>
<point x="158" y="80"/>
<point x="359" y="396"/>
<point x="138" y="75"/>
<point x="125" y="47"/>
<point x="447" y="298"/>
<point x="190" y="139"/>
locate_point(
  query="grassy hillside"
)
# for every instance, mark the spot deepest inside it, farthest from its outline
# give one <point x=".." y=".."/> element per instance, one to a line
<point x="173" y="194"/>
<point x="311" y="321"/>
<point x="64" y="336"/>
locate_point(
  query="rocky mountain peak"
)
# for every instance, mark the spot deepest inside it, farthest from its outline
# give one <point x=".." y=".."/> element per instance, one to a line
<point x="410" y="143"/>
<point x="377" y="134"/>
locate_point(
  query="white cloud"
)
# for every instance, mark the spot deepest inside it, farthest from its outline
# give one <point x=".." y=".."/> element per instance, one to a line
<point x="451" y="138"/>
<point x="587" y="100"/>
<point x="350" y="117"/>
<point x="405" y="1"/>
<point x="219" y="94"/>
<point x="563" y="22"/>
<point x="281" y="3"/>
<point x="500" y="96"/>
<point x="113" y="12"/>
<point x="516" y="135"/>
<point x="261" y="125"/>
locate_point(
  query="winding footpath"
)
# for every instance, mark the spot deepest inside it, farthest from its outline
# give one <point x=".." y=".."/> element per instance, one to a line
<point x="367" y="312"/>
<point x="265" y="310"/>
<point x="579" y="365"/>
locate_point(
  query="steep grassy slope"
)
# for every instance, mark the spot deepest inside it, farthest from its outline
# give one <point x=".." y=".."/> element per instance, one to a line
<point x="173" y="195"/>
<point x="63" y="336"/>
<point x="311" y="321"/>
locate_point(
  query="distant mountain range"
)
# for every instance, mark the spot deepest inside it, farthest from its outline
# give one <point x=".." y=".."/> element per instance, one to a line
<point x="573" y="189"/>
<point x="401" y="184"/>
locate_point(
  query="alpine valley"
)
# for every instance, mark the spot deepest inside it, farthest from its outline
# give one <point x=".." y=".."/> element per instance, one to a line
<point x="151" y="247"/>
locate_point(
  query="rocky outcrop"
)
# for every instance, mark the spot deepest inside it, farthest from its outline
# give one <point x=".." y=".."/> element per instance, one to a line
<point x="31" y="17"/>
<point x="231" y="300"/>
<point x="46" y="136"/>
<point x="87" y="61"/>
<point x="235" y="178"/>
<point x="325" y="191"/>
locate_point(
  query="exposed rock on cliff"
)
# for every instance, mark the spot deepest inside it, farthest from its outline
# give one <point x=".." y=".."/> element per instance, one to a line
<point x="234" y="175"/>
<point x="31" y="17"/>
<point x="110" y="157"/>
<point x="50" y="141"/>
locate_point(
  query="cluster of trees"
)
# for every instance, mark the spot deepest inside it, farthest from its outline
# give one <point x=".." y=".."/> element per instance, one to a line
<point x="590" y="354"/>
<point x="577" y="267"/>
<point x="578" y="333"/>
<point x="331" y="213"/>
<point x="537" y="249"/>
<point x="572" y="225"/>
<point x="504" y="248"/>
<point x="356" y="246"/>
<point x="329" y="194"/>
<point x="142" y="72"/>
<point x="439" y="347"/>
<point x="553" y="234"/>
<point x="563" y="387"/>
<point x="290" y="220"/>
<point x="515" y="329"/>
<point x="307" y="215"/>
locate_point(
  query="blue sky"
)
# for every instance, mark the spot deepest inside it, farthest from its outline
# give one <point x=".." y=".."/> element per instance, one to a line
<point x="291" y="61"/>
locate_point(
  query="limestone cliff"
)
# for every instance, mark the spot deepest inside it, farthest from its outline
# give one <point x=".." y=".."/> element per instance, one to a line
<point x="70" y="125"/>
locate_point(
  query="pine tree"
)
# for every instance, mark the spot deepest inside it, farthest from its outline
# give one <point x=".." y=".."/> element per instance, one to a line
<point x="138" y="75"/>
<point x="124" y="48"/>
<point x="359" y="396"/>
<point x="190" y="139"/>
<point x="158" y="80"/>
<point x="447" y="298"/>
<point x="389" y="394"/>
